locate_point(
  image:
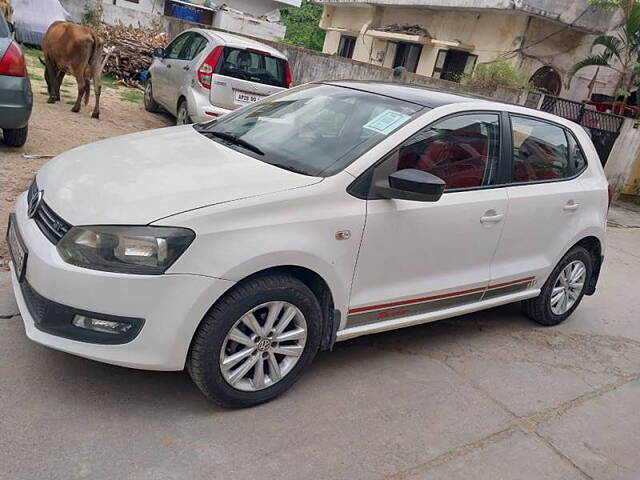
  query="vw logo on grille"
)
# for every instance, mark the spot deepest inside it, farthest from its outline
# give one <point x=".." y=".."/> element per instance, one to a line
<point x="34" y="203"/>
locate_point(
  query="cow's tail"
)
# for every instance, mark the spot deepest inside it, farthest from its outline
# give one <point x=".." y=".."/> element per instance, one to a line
<point x="95" y="65"/>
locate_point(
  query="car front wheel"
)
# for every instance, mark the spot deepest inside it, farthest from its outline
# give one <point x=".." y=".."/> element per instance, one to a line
<point x="563" y="291"/>
<point x="150" y="103"/>
<point x="256" y="341"/>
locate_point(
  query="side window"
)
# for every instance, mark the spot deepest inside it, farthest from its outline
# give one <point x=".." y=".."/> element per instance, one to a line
<point x="193" y="47"/>
<point x="540" y="151"/>
<point x="175" y="47"/>
<point x="462" y="150"/>
<point x="577" y="161"/>
<point x="347" y="46"/>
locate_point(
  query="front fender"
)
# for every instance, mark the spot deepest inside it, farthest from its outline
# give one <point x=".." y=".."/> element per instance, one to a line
<point x="295" y="227"/>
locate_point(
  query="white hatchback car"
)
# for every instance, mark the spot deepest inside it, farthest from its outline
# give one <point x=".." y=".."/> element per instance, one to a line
<point x="203" y="74"/>
<point x="241" y="247"/>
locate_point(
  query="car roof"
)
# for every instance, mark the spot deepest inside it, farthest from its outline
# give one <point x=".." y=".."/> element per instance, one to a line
<point x="427" y="97"/>
<point x="433" y="98"/>
<point x="238" y="41"/>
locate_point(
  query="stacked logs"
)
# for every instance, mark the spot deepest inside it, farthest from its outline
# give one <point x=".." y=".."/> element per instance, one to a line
<point x="128" y="50"/>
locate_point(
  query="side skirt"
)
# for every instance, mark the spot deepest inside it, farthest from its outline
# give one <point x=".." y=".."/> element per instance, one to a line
<point x="411" y="320"/>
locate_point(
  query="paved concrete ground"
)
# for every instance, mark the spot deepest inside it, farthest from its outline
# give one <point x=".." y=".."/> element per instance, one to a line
<point x="487" y="396"/>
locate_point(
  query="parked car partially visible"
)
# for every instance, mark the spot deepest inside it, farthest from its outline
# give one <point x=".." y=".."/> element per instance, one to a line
<point x="16" y="99"/>
<point x="203" y="74"/>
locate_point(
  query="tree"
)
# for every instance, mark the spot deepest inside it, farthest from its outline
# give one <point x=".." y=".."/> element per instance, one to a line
<point x="302" y="25"/>
<point x="618" y="51"/>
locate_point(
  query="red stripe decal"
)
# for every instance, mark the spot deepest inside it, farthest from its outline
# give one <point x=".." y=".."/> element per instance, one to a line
<point x="414" y="301"/>
<point x="508" y="284"/>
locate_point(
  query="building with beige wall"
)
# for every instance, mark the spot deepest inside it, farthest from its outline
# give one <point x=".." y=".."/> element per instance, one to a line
<point x="449" y="38"/>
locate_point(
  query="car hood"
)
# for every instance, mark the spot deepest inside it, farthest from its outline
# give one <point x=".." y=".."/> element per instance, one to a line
<point x="140" y="178"/>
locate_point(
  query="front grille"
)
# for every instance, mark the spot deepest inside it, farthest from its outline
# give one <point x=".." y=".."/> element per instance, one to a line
<point x="50" y="224"/>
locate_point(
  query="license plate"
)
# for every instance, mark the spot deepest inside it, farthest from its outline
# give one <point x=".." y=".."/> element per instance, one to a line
<point x="245" y="98"/>
<point x="17" y="249"/>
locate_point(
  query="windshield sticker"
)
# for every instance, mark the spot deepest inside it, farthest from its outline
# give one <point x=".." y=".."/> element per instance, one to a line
<point x="386" y="122"/>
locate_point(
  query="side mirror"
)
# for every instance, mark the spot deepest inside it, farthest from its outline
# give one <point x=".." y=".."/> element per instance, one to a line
<point x="158" y="52"/>
<point x="415" y="185"/>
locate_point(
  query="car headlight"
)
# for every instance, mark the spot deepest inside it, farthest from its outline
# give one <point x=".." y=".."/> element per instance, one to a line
<point x="141" y="250"/>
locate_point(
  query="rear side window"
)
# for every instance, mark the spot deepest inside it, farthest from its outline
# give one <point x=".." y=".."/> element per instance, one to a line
<point x="253" y="66"/>
<point x="540" y="151"/>
<point x="462" y="150"/>
<point x="193" y="47"/>
<point x="173" y="50"/>
<point x="578" y="161"/>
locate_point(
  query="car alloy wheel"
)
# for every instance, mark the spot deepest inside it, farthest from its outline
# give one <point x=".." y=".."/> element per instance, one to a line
<point x="263" y="346"/>
<point x="568" y="287"/>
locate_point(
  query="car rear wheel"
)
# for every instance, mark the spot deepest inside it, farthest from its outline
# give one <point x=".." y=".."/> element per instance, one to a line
<point x="183" y="118"/>
<point x="15" y="137"/>
<point x="150" y="103"/>
<point x="563" y="291"/>
<point x="256" y="341"/>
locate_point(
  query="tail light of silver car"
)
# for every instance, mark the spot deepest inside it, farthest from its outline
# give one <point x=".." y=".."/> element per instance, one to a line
<point x="209" y="66"/>
<point x="12" y="63"/>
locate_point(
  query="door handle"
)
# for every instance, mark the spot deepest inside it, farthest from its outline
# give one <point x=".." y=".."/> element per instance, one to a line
<point x="571" y="206"/>
<point x="169" y="65"/>
<point x="185" y="68"/>
<point x="491" y="217"/>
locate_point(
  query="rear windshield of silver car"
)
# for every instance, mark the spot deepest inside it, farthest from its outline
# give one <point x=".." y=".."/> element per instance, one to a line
<point x="253" y="66"/>
<point x="315" y="130"/>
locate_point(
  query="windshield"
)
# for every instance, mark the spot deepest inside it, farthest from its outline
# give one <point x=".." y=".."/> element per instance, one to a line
<point x="253" y="66"/>
<point x="316" y="130"/>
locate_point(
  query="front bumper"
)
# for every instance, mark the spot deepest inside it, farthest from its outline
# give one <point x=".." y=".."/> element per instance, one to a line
<point x="171" y="305"/>
<point x="16" y="101"/>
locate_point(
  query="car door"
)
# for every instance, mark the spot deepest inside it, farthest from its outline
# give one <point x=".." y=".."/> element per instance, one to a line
<point x="545" y="200"/>
<point x="418" y="257"/>
<point x="163" y="69"/>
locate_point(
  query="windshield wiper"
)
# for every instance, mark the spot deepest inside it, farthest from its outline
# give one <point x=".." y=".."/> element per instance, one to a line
<point x="291" y="168"/>
<point x="235" y="141"/>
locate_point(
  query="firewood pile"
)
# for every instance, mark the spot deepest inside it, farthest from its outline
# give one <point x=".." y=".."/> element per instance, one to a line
<point x="128" y="50"/>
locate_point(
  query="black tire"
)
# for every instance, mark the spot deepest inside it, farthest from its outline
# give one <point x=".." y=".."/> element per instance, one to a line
<point x="15" y="137"/>
<point x="539" y="309"/>
<point x="150" y="104"/>
<point x="203" y="364"/>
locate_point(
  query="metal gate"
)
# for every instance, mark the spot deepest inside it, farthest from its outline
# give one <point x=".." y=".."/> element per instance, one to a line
<point x="603" y="127"/>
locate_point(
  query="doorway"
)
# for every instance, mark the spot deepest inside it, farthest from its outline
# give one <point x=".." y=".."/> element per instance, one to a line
<point x="407" y="56"/>
<point x="547" y="80"/>
<point x="452" y="65"/>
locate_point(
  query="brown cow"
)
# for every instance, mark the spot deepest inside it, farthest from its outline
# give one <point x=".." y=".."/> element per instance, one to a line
<point x="77" y="50"/>
<point x="6" y="10"/>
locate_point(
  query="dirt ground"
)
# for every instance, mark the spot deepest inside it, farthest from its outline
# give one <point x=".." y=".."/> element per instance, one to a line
<point x="54" y="129"/>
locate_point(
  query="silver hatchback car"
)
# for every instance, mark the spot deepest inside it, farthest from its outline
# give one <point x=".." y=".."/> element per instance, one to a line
<point x="203" y="74"/>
